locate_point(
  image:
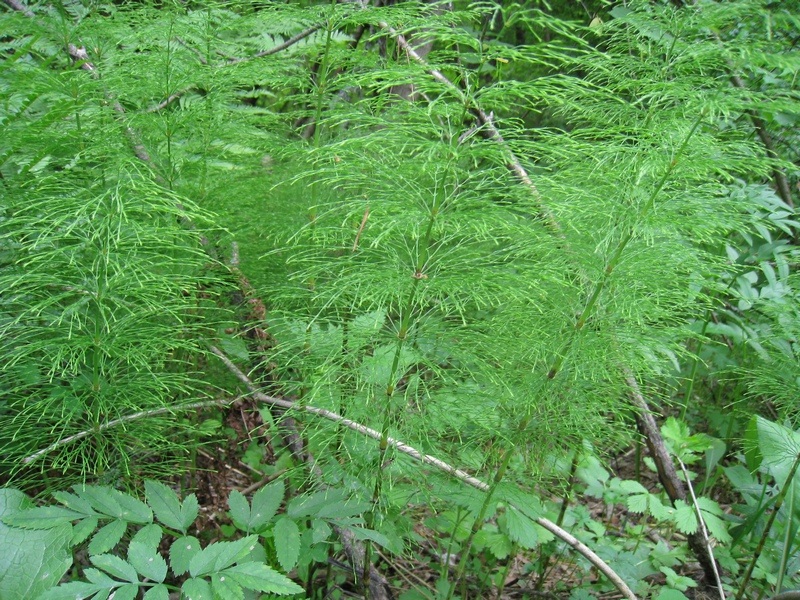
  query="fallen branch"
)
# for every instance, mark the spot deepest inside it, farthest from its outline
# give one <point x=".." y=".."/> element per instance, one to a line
<point x="427" y="459"/>
<point x="290" y="42"/>
<point x="669" y="479"/>
<point x="127" y="419"/>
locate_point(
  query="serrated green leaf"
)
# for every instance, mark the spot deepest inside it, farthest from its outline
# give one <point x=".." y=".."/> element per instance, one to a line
<point x="189" y="510"/>
<point x="74" y="590"/>
<point x="632" y="487"/>
<point x="107" y="537"/>
<point x="259" y="577"/>
<point x="498" y="544"/>
<point x="101" y="499"/>
<point x="666" y="593"/>
<point x="521" y="529"/>
<point x="42" y="517"/>
<point x="226" y="587"/>
<point x="165" y="504"/>
<point x="83" y="529"/>
<point x="196" y="589"/>
<point x="97" y="577"/>
<point x="128" y="591"/>
<point x="157" y="592"/>
<point x="717" y="528"/>
<point x="637" y="503"/>
<point x="149" y="536"/>
<point x="75" y="503"/>
<point x="659" y="510"/>
<point x="115" y="566"/>
<point x="240" y="510"/>
<point x="219" y="555"/>
<point x="235" y="347"/>
<point x="45" y="554"/>
<point x="265" y="504"/>
<point x="287" y="543"/>
<point x="362" y="533"/>
<point x="310" y="505"/>
<point x="351" y="507"/>
<point x="147" y="561"/>
<point x="685" y="518"/>
<point x="321" y="531"/>
<point x="133" y="509"/>
<point x="181" y="552"/>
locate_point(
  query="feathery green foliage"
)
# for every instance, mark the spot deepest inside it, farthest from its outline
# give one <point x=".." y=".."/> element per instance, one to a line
<point x="474" y="225"/>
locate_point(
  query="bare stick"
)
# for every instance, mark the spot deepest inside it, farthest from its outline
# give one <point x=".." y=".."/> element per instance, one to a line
<point x="427" y="459"/>
<point x="290" y="42"/>
<point x="667" y="474"/>
<point x="194" y="51"/>
<point x="19" y="7"/>
<point x="170" y="99"/>
<point x="703" y="528"/>
<point x="485" y="119"/>
<point x="127" y="419"/>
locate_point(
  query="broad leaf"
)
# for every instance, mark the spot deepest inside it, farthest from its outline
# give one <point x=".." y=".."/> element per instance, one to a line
<point x="685" y="517"/>
<point x="225" y="586"/>
<point x="157" y="592"/>
<point x="149" y="535"/>
<point x="258" y="576"/>
<point x="101" y="499"/>
<point x="44" y="554"/>
<point x="147" y="561"/>
<point x="107" y="537"/>
<point x="181" y="552"/>
<point x="75" y="502"/>
<point x="133" y="509"/>
<point x="197" y="589"/>
<point x="220" y="555"/>
<point x="165" y="504"/>
<point x="42" y="517"/>
<point x="265" y="504"/>
<point x="287" y="542"/>
<point x="240" y="510"/>
<point x="115" y="566"/>
<point x="521" y="529"/>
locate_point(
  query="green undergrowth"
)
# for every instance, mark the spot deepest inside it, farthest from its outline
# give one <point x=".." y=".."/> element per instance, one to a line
<point x="490" y="234"/>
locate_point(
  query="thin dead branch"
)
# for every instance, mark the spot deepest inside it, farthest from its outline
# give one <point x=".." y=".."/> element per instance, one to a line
<point x="668" y="476"/>
<point x="288" y="43"/>
<point x="427" y="459"/>
<point x="220" y="402"/>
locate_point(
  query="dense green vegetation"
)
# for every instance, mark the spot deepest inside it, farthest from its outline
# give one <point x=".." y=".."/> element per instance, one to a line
<point x="399" y="299"/>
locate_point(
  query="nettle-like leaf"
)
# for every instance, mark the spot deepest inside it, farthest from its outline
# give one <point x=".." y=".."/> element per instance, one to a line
<point x="197" y="589"/>
<point x="149" y="535"/>
<point x="181" y="553"/>
<point x="107" y="537"/>
<point x="712" y="516"/>
<point x="329" y="503"/>
<point x="31" y="561"/>
<point x="286" y="536"/>
<point x="115" y="504"/>
<point x="521" y="529"/>
<point x="42" y="517"/>
<point x="685" y="517"/>
<point x="115" y="566"/>
<point x="219" y="555"/>
<point x="265" y="504"/>
<point x="240" y="510"/>
<point x="258" y="576"/>
<point x="157" y="592"/>
<point x="168" y="508"/>
<point x="147" y="561"/>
